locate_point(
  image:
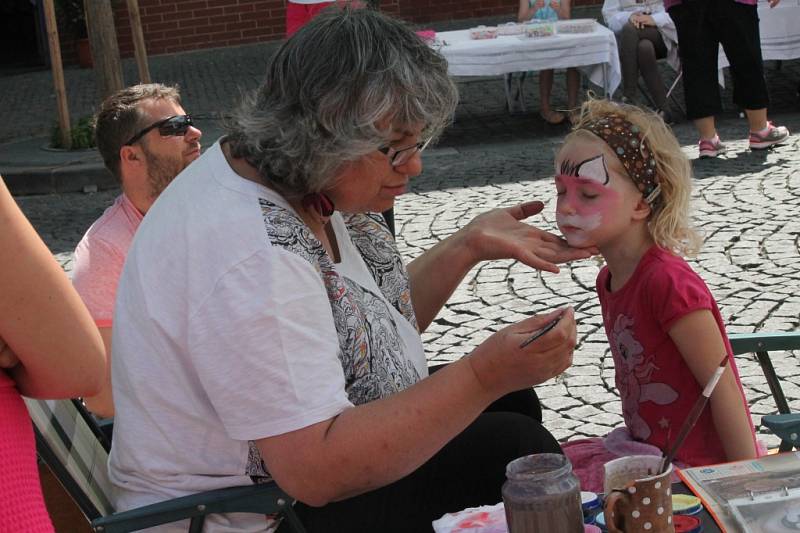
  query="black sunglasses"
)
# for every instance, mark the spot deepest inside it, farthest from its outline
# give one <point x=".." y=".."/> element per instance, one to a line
<point x="175" y="125"/>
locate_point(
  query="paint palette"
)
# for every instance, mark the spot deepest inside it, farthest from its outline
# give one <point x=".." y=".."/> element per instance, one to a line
<point x="687" y="524"/>
<point x="686" y="504"/>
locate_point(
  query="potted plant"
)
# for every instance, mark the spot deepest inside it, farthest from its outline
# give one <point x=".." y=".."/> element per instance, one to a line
<point x="74" y="17"/>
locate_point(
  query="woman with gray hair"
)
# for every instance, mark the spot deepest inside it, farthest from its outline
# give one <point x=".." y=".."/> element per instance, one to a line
<point x="278" y="333"/>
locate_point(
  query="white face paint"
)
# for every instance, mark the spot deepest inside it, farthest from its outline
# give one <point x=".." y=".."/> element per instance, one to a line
<point x="581" y="222"/>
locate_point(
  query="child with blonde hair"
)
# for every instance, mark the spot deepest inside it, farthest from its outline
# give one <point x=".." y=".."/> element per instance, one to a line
<point x="624" y="186"/>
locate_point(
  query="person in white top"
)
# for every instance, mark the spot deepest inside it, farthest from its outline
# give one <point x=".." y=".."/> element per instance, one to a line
<point x="645" y="33"/>
<point x="145" y="138"/>
<point x="266" y="325"/>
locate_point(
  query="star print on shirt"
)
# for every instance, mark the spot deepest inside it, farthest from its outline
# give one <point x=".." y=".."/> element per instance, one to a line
<point x="664" y="423"/>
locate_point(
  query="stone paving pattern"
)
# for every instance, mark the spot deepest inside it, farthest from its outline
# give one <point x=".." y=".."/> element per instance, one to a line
<point x="747" y="204"/>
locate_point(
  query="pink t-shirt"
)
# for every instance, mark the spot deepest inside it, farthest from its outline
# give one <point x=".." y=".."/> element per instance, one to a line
<point x="100" y="256"/>
<point x="22" y="507"/>
<point x="656" y="386"/>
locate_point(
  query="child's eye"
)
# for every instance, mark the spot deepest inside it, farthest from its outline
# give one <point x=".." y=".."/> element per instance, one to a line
<point x="589" y="196"/>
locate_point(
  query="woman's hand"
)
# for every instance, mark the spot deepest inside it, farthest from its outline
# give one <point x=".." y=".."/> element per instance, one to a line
<point x="500" y="234"/>
<point x="502" y="366"/>
<point x="640" y="20"/>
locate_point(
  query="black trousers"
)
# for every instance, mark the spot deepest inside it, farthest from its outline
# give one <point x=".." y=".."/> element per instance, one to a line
<point x="702" y="26"/>
<point x="469" y="471"/>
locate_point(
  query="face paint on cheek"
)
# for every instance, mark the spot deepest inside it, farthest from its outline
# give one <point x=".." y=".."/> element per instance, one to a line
<point x="579" y="222"/>
<point x="582" y="206"/>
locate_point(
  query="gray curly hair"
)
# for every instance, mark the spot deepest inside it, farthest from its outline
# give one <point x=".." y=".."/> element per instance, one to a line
<point x="327" y="91"/>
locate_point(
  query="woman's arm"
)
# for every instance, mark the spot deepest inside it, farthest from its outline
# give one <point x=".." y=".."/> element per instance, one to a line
<point x="377" y="443"/>
<point x="42" y="319"/>
<point x="526" y="11"/>
<point x="698" y="338"/>
<point x="497" y="234"/>
<point x="564" y="10"/>
<point x="102" y="404"/>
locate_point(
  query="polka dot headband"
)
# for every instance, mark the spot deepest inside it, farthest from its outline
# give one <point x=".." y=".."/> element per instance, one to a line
<point x="625" y="139"/>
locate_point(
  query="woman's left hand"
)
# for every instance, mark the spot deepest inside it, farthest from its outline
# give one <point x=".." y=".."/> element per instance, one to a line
<point x="501" y="234"/>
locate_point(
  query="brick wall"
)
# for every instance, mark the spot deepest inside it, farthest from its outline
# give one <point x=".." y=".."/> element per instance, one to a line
<point x="178" y="25"/>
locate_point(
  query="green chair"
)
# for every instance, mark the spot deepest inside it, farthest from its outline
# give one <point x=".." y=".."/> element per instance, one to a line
<point x="785" y="425"/>
<point x="71" y="447"/>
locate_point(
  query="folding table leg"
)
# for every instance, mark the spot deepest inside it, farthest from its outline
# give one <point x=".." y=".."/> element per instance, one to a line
<point x="507" y="86"/>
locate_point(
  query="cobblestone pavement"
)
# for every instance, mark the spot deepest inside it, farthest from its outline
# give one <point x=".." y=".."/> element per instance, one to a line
<point x="747" y="204"/>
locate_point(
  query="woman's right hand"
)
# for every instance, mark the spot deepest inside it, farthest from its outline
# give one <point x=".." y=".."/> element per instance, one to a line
<point x="502" y="366"/>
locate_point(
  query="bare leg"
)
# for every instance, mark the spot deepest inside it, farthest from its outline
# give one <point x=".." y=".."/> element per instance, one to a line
<point x="756" y="118"/>
<point x="545" y="88"/>
<point x="706" y="127"/>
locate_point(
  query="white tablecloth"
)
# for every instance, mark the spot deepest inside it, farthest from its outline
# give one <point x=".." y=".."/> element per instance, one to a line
<point x="595" y="53"/>
<point x="780" y="32"/>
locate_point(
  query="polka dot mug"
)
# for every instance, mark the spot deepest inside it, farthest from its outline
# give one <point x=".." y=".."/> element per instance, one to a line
<point x="638" y="500"/>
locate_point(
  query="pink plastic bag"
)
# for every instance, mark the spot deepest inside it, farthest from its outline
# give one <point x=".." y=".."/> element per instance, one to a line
<point x="485" y="519"/>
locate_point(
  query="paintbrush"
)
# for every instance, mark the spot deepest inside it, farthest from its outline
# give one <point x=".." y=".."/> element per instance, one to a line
<point x="550" y="325"/>
<point x="694" y="414"/>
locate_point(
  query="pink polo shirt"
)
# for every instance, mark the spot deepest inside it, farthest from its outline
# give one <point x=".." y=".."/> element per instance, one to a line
<point x="100" y="256"/>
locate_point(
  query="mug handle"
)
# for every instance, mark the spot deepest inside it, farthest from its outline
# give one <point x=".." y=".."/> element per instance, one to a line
<point x="608" y="510"/>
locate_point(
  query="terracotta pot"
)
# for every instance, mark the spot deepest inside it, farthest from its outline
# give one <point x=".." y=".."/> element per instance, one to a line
<point x="84" y="53"/>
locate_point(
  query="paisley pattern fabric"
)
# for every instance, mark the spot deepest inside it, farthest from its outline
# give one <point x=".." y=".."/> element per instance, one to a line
<point x="370" y="347"/>
<point x="374" y="241"/>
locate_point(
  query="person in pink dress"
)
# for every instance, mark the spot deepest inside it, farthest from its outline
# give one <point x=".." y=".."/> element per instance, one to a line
<point x="624" y="186"/>
<point x="49" y="348"/>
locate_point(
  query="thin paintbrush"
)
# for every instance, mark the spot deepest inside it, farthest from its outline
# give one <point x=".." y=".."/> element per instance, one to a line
<point x="694" y="414"/>
<point x="550" y="325"/>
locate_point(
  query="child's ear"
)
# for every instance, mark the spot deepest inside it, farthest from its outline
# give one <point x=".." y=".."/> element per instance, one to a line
<point x="642" y="210"/>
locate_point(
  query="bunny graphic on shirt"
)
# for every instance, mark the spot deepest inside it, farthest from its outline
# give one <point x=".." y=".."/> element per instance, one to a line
<point x="634" y="371"/>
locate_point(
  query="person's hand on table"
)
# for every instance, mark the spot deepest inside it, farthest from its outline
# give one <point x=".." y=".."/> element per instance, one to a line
<point x="502" y="366"/>
<point x="501" y="234"/>
<point x="773" y="3"/>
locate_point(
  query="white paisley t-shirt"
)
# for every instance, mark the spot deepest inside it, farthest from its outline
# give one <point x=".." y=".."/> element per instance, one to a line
<point x="232" y="325"/>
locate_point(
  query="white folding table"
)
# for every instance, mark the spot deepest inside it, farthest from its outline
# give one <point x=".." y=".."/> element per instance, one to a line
<point x="594" y="53"/>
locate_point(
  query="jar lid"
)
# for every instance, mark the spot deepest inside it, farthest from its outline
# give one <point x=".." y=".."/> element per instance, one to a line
<point x="687" y="524"/>
<point x="685" y="504"/>
<point x="600" y="520"/>
<point x="589" y="500"/>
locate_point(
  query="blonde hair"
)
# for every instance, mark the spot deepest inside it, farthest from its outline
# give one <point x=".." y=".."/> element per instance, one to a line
<point x="669" y="222"/>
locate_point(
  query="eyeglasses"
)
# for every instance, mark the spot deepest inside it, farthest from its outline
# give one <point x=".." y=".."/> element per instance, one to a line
<point x="176" y="125"/>
<point x="402" y="156"/>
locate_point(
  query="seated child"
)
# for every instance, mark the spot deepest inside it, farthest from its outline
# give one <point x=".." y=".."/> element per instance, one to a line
<point x="550" y="10"/>
<point x="624" y="186"/>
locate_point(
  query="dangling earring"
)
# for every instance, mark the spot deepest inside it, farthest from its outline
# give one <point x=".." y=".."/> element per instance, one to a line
<point x="319" y="203"/>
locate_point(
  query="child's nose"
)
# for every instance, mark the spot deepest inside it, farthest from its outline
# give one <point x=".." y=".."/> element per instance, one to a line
<point x="564" y="206"/>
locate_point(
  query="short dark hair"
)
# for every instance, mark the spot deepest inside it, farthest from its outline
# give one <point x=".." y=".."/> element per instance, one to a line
<point x="119" y="118"/>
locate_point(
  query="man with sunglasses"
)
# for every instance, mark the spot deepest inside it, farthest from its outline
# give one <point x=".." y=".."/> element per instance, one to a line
<point x="146" y="139"/>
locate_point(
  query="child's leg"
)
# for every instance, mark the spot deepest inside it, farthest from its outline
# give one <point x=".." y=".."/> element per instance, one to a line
<point x="545" y="88"/>
<point x="573" y="84"/>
